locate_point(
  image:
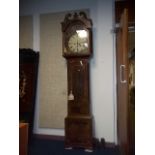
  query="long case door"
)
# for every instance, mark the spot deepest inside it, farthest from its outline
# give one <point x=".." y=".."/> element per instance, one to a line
<point x="122" y="83"/>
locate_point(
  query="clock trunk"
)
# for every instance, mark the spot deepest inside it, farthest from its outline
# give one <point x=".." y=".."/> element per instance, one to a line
<point x="78" y="123"/>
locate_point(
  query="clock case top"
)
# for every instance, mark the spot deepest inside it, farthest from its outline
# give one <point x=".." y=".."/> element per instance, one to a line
<point x="70" y="23"/>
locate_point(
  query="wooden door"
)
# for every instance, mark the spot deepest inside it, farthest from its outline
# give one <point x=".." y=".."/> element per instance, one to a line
<point x="122" y="83"/>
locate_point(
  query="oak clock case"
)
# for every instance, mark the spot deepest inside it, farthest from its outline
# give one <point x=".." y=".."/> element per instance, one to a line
<point x="76" y="30"/>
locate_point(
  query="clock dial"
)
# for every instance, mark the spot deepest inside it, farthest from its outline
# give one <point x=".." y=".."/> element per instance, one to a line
<point x="78" y="42"/>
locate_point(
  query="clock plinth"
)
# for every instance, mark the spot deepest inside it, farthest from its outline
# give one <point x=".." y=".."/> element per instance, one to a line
<point x="77" y="49"/>
<point x="78" y="132"/>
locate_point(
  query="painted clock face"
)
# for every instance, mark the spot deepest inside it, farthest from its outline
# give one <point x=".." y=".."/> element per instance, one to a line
<point x="78" y="42"/>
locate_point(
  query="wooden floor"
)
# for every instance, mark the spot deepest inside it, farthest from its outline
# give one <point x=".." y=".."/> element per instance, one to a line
<point x="56" y="147"/>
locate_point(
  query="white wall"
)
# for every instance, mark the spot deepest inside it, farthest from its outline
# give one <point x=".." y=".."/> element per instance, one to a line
<point x="102" y="64"/>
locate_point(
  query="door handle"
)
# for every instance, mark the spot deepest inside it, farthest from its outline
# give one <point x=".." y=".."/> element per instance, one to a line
<point x="122" y="70"/>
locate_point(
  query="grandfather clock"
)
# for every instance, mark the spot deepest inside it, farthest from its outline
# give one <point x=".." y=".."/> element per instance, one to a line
<point x="77" y="49"/>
